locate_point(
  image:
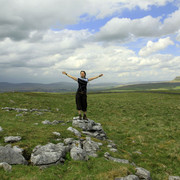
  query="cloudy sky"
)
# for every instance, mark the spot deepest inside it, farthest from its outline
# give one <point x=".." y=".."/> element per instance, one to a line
<point x="127" y="41"/>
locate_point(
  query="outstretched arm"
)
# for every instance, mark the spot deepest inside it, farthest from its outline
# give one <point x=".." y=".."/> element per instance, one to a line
<point x="74" y="78"/>
<point x="90" y="79"/>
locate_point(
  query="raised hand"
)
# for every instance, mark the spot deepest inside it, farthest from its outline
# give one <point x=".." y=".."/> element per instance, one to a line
<point x="64" y="72"/>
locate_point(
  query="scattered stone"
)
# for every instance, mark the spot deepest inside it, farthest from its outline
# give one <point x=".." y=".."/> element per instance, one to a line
<point x="57" y="109"/>
<point x="130" y="177"/>
<point x="48" y="154"/>
<point x="58" y="139"/>
<point x="174" y="177"/>
<point x="6" y="166"/>
<point x="90" y="128"/>
<point x="52" y="123"/>
<point x="1" y="129"/>
<point x="38" y="113"/>
<point x="11" y="139"/>
<point x="19" y="115"/>
<point x="57" y="133"/>
<point x="24" y="110"/>
<point x="137" y="152"/>
<point x="11" y="101"/>
<point x="11" y="155"/>
<point x="107" y="156"/>
<point x="143" y="173"/>
<point x="35" y="123"/>
<point x="113" y="150"/>
<point x="75" y="131"/>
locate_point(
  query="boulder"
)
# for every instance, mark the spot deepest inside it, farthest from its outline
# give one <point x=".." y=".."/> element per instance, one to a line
<point x="143" y="173"/>
<point x="11" y="155"/>
<point x="48" y="154"/>
<point x="11" y="139"/>
<point x="1" y="129"/>
<point x="6" y="166"/>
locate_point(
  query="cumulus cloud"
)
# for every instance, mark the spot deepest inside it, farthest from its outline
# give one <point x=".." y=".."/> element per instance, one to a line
<point x="124" y="28"/>
<point x="19" y="18"/>
<point x="153" y="47"/>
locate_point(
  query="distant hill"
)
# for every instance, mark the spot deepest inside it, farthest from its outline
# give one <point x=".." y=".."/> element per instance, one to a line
<point x="177" y="78"/>
<point x="52" y="87"/>
<point x="149" y="86"/>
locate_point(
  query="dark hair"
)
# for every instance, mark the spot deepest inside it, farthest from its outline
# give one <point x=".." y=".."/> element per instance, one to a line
<point x="84" y="73"/>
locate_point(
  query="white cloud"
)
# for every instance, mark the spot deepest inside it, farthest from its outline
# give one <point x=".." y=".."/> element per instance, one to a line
<point x="153" y="47"/>
<point x="124" y="28"/>
<point x="18" y="19"/>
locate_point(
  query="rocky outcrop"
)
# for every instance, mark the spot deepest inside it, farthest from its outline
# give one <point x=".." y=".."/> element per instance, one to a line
<point x="11" y="155"/>
<point x="90" y="128"/>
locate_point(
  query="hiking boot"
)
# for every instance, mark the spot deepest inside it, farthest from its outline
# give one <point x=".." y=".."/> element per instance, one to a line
<point x="85" y="117"/>
<point x="80" y="116"/>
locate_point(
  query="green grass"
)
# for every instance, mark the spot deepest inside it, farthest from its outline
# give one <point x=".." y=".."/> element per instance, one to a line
<point x="145" y="122"/>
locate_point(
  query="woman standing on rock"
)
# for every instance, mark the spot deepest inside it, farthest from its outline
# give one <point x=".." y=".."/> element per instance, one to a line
<point x="81" y="94"/>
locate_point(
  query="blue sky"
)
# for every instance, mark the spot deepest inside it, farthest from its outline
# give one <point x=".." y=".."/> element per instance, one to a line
<point x="126" y="41"/>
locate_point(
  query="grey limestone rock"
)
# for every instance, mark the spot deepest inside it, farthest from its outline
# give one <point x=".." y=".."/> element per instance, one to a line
<point x="107" y="156"/>
<point x="174" y="177"/>
<point x="130" y="177"/>
<point x="6" y="166"/>
<point x="90" y="128"/>
<point x="143" y="173"/>
<point x="48" y="154"/>
<point x="11" y="155"/>
<point x="11" y="139"/>
<point x="75" y="131"/>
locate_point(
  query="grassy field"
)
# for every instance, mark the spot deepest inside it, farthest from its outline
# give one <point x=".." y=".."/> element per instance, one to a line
<point x="145" y="122"/>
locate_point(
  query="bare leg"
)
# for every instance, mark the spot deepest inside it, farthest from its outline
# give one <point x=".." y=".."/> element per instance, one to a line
<point x="84" y="112"/>
<point x="79" y="111"/>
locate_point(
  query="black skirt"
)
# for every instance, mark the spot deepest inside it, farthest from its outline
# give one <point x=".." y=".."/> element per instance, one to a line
<point x="81" y="101"/>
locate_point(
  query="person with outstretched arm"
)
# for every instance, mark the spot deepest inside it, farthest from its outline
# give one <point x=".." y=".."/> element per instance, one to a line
<point x="81" y="94"/>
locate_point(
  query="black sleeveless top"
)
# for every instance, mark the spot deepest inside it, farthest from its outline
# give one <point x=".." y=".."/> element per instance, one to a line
<point x="82" y="85"/>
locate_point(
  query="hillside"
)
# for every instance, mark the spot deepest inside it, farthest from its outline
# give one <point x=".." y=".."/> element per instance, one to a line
<point x="142" y="125"/>
<point x="148" y="86"/>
